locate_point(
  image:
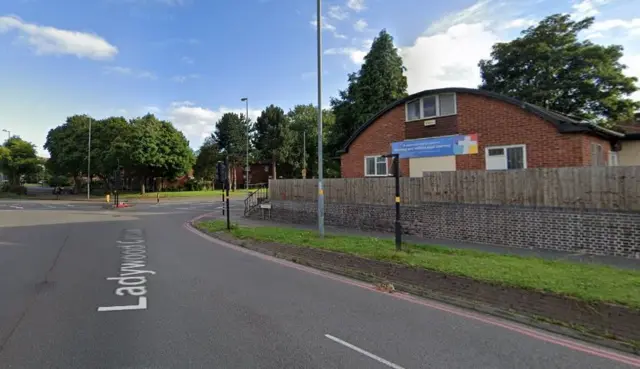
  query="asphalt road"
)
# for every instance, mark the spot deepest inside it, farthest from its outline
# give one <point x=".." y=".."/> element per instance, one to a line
<point x="191" y="303"/>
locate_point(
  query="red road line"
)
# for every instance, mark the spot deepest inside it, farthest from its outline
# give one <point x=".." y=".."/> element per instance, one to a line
<point x="549" y="338"/>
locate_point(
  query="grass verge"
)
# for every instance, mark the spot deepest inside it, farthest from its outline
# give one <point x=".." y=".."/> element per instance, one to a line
<point x="164" y="195"/>
<point x="587" y="282"/>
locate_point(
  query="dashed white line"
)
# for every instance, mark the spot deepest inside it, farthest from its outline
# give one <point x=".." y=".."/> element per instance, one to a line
<point x="364" y="352"/>
<point x="16" y="207"/>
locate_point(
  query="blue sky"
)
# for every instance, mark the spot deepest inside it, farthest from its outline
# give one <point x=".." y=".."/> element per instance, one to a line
<point x="190" y="61"/>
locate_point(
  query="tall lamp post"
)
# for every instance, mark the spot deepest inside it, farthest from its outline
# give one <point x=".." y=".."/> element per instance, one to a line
<point x="89" y="165"/>
<point x="320" y="169"/>
<point x="246" y="180"/>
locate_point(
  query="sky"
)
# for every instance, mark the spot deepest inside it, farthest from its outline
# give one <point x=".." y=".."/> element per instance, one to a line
<point x="190" y="61"/>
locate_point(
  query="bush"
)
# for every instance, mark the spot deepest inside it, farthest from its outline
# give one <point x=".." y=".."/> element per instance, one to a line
<point x="16" y="189"/>
<point x="59" y="181"/>
<point x="194" y="185"/>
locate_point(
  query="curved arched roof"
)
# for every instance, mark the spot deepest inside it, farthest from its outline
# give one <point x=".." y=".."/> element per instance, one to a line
<point x="563" y="123"/>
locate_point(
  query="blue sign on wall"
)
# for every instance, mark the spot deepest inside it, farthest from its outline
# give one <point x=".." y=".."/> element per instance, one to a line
<point x="436" y="146"/>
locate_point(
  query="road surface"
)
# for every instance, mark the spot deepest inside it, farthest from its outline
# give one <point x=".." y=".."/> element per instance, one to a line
<point x="83" y="287"/>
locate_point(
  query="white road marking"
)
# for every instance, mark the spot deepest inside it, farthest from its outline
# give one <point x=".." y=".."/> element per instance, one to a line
<point x="363" y="352"/>
<point x="16" y="207"/>
<point x="142" y="305"/>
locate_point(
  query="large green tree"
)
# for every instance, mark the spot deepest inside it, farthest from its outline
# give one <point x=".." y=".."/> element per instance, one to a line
<point x="273" y="138"/>
<point x="208" y="155"/>
<point x="18" y="158"/>
<point x="68" y="147"/>
<point x="230" y="136"/>
<point x="303" y="123"/>
<point x="548" y="65"/>
<point x="379" y="82"/>
<point x="157" y="150"/>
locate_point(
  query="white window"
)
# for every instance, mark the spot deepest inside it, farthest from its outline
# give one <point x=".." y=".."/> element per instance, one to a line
<point x="506" y="157"/>
<point x="413" y="110"/>
<point x="613" y="159"/>
<point x="597" y="159"/>
<point x="432" y="106"/>
<point x="375" y="166"/>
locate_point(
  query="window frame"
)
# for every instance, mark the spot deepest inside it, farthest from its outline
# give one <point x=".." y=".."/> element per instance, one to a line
<point x="506" y="155"/>
<point x="437" y="99"/>
<point x="599" y="155"/>
<point x="386" y="161"/>
<point x="614" y="159"/>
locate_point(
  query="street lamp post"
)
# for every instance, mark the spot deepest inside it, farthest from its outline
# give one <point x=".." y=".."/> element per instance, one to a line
<point x="89" y="165"/>
<point x="320" y="169"/>
<point x="246" y="180"/>
<point x="8" y="133"/>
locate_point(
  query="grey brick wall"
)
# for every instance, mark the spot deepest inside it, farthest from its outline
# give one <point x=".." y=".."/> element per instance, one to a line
<point x="590" y="231"/>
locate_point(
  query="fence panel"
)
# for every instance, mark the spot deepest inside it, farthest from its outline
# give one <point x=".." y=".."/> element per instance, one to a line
<point x="586" y="187"/>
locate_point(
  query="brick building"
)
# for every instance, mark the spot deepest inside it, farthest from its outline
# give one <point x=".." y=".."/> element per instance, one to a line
<point x="497" y="132"/>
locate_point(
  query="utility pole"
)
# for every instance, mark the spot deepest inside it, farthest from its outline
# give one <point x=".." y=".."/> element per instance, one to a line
<point x="246" y="180"/>
<point x="304" y="154"/>
<point x="320" y="169"/>
<point x="89" y="166"/>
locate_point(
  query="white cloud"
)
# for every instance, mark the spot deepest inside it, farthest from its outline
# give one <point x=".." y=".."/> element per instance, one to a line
<point x="53" y="41"/>
<point x="356" y="5"/>
<point x="197" y="122"/>
<point x="327" y="27"/>
<point x="519" y="23"/>
<point x="187" y="60"/>
<point x="610" y="24"/>
<point x="356" y="55"/>
<point x="449" y="58"/>
<point x="480" y="12"/>
<point x="360" y="25"/>
<point x="336" y="12"/>
<point x="633" y="70"/>
<point x="184" y="78"/>
<point x="587" y="8"/>
<point x="125" y="71"/>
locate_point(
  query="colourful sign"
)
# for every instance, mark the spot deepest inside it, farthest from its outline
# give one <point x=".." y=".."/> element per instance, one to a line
<point x="436" y="146"/>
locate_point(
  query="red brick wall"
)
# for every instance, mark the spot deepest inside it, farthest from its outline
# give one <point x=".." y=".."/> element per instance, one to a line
<point x="501" y="123"/>
<point x="375" y="140"/>
<point x="496" y="122"/>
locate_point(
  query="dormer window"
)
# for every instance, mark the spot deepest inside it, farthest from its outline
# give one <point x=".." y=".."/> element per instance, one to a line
<point x="432" y="106"/>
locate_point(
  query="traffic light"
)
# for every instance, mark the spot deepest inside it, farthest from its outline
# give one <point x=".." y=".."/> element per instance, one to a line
<point x="221" y="172"/>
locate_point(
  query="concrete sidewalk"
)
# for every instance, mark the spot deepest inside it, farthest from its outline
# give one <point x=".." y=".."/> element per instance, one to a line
<point x="619" y="262"/>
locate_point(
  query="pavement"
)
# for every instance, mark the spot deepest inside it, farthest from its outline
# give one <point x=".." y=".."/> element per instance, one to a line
<point x="137" y="288"/>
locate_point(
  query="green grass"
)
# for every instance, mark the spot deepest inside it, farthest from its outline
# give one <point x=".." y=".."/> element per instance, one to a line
<point x="164" y="195"/>
<point x="588" y="282"/>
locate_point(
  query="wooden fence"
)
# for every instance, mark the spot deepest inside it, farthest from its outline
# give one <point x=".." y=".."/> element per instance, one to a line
<point x="616" y="188"/>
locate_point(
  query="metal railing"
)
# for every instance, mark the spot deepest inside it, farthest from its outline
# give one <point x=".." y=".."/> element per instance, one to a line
<point x="256" y="197"/>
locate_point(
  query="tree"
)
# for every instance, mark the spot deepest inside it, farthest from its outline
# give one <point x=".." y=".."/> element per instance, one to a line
<point x="548" y="66"/>
<point x="273" y="137"/>
<point x="231" y="138"/>
<point x="67" y="145"/>
<point x="18" y="159"/>
<point x="109" y="147"/>
<point x="208" y="156"/>
<point x="304" y="119"/>
<point x="379" y="82"/>
<point x="157" y="149"/>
